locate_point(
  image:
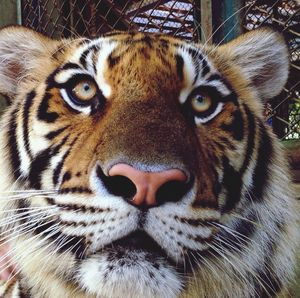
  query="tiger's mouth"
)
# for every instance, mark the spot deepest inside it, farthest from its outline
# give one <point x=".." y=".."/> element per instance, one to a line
<point x="138" y="241"/>
<point x="139" y="245"/>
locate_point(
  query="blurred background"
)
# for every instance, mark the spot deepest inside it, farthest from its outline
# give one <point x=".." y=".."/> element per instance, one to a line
<point x="206" y="21"/>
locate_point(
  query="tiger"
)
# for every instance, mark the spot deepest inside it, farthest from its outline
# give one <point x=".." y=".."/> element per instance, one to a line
<point x="140" y="165"/>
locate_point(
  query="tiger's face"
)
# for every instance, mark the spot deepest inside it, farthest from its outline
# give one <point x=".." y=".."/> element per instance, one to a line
<point x="138" y="150"/>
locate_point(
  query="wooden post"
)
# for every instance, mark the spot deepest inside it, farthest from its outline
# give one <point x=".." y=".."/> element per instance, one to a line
<point x="227" y="19"/>
<point x="206" y="21"/>
<point x="9" y="15"/>
<point x="8" y="12"/>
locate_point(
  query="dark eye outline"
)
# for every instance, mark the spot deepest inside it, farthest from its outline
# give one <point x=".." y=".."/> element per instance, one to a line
<point x="77" y="104"/>
<point x="214" y="109"/>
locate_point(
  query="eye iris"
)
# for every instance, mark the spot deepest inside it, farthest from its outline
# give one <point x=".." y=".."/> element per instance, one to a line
<point x="201" y="103"/>
<point x="85" y="90"/>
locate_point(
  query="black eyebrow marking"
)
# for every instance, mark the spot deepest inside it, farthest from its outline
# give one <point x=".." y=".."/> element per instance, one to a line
<point x="69" y="65"/>
<point x="84" y="55"/>
<point x="197" y="58"/>
<point x="205" y="67"/>
<point x="179" y="66"/>
<point x="215" y="77"/>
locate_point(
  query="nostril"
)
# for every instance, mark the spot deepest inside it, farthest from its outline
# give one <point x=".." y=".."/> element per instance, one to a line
<point x="122" y="187"/>
<point x="117" y="185"/>
<point x="172" y="191"/>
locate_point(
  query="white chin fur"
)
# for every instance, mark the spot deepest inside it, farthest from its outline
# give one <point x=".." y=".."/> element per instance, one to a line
<point x="135" y="274"/>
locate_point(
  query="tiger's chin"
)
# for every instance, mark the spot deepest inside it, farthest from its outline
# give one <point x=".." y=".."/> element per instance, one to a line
<point x="130" y="268"/>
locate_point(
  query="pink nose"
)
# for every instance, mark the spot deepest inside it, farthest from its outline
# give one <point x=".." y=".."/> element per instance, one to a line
<point x="147" y="183"/>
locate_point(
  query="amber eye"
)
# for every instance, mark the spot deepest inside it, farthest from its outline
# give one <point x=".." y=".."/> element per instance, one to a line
<point x="201" y="103"/>
<point x="85" y="90"/>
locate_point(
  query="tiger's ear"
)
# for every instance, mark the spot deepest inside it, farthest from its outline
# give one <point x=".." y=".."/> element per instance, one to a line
<point x="20" y="51"/>
<point x="263" y="58"/>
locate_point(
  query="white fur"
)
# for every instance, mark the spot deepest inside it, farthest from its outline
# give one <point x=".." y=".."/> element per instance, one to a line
<point x="132" y="280"/>
<point x="101" y="67"/>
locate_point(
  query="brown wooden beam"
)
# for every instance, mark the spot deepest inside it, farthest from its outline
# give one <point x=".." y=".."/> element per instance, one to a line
<point x="206" y="21"/>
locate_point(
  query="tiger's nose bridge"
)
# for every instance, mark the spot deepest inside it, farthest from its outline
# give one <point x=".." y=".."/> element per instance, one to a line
<point x="145" y="189"/>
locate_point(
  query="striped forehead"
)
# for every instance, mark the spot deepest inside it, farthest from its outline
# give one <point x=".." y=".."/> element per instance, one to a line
<point x="195" y="66"/>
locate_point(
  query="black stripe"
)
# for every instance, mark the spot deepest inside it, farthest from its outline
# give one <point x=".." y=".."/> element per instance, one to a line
<point x="78" y="189"/>
<point x="41" y="162"/>
<point x="214" y="77"/>
<point x="113" y="60"/>
<point x="24" y="291"/>
<point x="195" y="53"/>
<point x="43" y="113"/>
<point x="26" y="111"/>
<point x="266" y="274"/>
<point x="232" y="181"/>
<point x="148" y="40"/>
<point x="77" y="208"/>
<point x="235" y="240"/>
<point x="250" y="139"/>
<point x="74" y="244"/>
<point x="51" y="135"/>
<point x="84" y="55"/>
<point x="205" y="68"/>
<point x="58" y="169"/>
<point x="196" y="58"/>
<point x="13" y="145"/>
<point x="68" y="65"/>
<point x="179" y="66"/>
<point x="67" y="176"/>
<point x="195" y="222"/>
<point x="261" y="173"/>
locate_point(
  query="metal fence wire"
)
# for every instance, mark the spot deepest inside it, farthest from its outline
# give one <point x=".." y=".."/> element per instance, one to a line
<point x="60" y="18"/>
<point x="93" y="17"/>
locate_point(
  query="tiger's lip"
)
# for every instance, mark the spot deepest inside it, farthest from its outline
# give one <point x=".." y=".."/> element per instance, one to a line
<point x="138" y="241"/>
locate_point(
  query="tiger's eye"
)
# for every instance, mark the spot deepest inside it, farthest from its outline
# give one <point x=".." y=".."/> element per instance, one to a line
<point x="201" y="103"/>
<point x="85" y="90"/>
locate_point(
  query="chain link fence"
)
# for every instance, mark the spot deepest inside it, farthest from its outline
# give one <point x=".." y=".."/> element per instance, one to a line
<point x="93" y="17"/>
<point x="60" y="18"/>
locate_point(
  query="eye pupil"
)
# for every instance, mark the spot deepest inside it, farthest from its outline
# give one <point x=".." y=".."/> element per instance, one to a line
<point x="86" y="87"/>
<point x="200" y="99"/>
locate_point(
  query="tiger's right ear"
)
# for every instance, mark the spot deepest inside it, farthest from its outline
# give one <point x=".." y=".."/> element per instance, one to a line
<point x="20" y="51"/>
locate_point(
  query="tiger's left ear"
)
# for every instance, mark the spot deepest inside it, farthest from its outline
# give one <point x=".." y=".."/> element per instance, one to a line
<point x="22" y="51"/>
<point x="263" y="58"/>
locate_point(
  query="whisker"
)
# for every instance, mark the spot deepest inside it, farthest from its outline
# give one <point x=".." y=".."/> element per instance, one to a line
<point x="36" y="245"/>
<point x="33" y="208"/>
<point x="16" y="233"/>
<point x="242" y="266"/>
